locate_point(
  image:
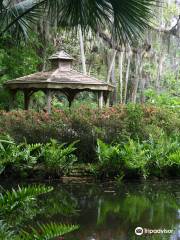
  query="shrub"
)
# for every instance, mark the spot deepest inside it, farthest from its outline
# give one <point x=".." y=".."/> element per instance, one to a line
<point x="59" y="158"/>
<point x="112" y="125"/>
<point x="135" y="157"/>
<point x="109" y="160"/>
<point x="20" y="158"/>
<point x="149" y="158"/>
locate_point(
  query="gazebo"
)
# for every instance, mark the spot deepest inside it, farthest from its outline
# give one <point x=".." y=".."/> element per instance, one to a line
<point x="62" y="78"/>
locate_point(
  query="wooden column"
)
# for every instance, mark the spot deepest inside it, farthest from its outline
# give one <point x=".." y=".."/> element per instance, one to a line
<point x="100" y="99"/>
<point x="70" y="94"/>
<point x="71" y="98"/>
<point x="26" y="99"/>
<point x="106" y="96"/>
<point x="13" y="97"/>
<point x="49" y="99"/>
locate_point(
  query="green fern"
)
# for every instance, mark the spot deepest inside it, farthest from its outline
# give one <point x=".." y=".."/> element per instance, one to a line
<point x="43" y="232"/>
<point x="5" y="231"/>
<point x="59" y="158"/>
<point x="110" y="162"/>
<point x="18" y="157"/>
<point x="47" y="231"/>
<point x="14" y="198"/>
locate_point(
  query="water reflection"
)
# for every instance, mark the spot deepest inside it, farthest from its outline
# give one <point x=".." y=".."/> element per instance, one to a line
<point x="109" y="212"/>
<point x="176" y="234"/>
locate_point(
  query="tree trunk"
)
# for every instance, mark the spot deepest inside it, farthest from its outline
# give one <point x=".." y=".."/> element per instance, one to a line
<point x="111" y="65"/>
<point x="113" y="80"/>
<point x="127" y="77"/>
<point x="44" y="37"/>
<point x="83" y="58"/>
<point x="120" y="60"/>
<point x="159" y="72"/>
<point x="142" y="86"/>
<point x="138" y="75"/>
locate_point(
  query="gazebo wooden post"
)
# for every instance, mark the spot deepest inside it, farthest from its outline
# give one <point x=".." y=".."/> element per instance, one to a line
<point x="26" y="99"/>
<point x="70" y="94"/>
<point x="106" y="98"/>
<point x="13" y="97"/>
<point x="49" y="100"/>
<point x="100" y="99"/>
<point x="70" y="100"/>
<point x="108" y="101"/>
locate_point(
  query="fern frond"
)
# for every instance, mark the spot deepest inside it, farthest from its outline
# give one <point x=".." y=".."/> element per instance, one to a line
<point x="11" y="199"/>
<point x="5" y="231"/>
<point x="47" y="231"/>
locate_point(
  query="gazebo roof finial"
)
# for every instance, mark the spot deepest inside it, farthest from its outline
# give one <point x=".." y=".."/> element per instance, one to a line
<point x="61" y="55"/>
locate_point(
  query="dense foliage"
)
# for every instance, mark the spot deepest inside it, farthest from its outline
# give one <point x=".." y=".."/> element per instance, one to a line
<point x="25" y="159"/>
<point x="125" y="140"/>
<point x="142" y="141"/>
<point x="158" y="158"/>
<point x="17" y="17"/>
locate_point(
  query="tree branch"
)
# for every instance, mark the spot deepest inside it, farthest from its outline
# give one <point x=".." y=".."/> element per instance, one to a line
<point x="175" y="30"/>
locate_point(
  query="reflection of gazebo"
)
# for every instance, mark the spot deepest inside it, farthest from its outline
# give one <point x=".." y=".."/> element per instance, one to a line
<point x="63" y="79"/>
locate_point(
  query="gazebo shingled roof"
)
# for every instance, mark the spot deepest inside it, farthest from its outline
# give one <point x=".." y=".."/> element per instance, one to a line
<point x="63" y="78"/>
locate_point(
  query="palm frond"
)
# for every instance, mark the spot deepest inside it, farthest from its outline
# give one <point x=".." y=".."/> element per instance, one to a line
<point x="127" y="20"/>
<point x="131" y="18"/>
<point x="17" y="18"/>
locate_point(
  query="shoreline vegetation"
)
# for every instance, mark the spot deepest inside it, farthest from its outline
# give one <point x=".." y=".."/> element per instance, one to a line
<point x="122" y="142"/>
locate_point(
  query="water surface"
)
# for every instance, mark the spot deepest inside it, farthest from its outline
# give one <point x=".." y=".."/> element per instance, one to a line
<point x="106" y="211"/>
<point x="112" y="212"/>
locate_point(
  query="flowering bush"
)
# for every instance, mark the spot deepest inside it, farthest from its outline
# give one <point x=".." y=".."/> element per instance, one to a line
<point x="112" y="125"/>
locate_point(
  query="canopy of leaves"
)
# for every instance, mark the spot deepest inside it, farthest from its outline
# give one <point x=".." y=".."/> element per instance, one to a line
<point x="126" y="19"/>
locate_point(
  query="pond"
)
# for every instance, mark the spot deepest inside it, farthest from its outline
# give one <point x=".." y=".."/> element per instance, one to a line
<point x="107" y="211"/>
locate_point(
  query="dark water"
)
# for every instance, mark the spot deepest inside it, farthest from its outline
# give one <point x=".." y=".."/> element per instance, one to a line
<point x="108" y="211"/>
<point x="111" y="212"/>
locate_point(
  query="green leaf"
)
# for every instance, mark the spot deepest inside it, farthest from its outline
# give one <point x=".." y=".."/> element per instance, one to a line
<point x="47" y="231"/>
<point x="11" y="199"/>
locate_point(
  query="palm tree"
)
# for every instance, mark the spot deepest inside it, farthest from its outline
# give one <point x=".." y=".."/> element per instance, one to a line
<point x="126" y="19"/>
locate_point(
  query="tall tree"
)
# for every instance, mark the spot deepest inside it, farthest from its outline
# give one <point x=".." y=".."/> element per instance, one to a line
<point x="83" y="58"/>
